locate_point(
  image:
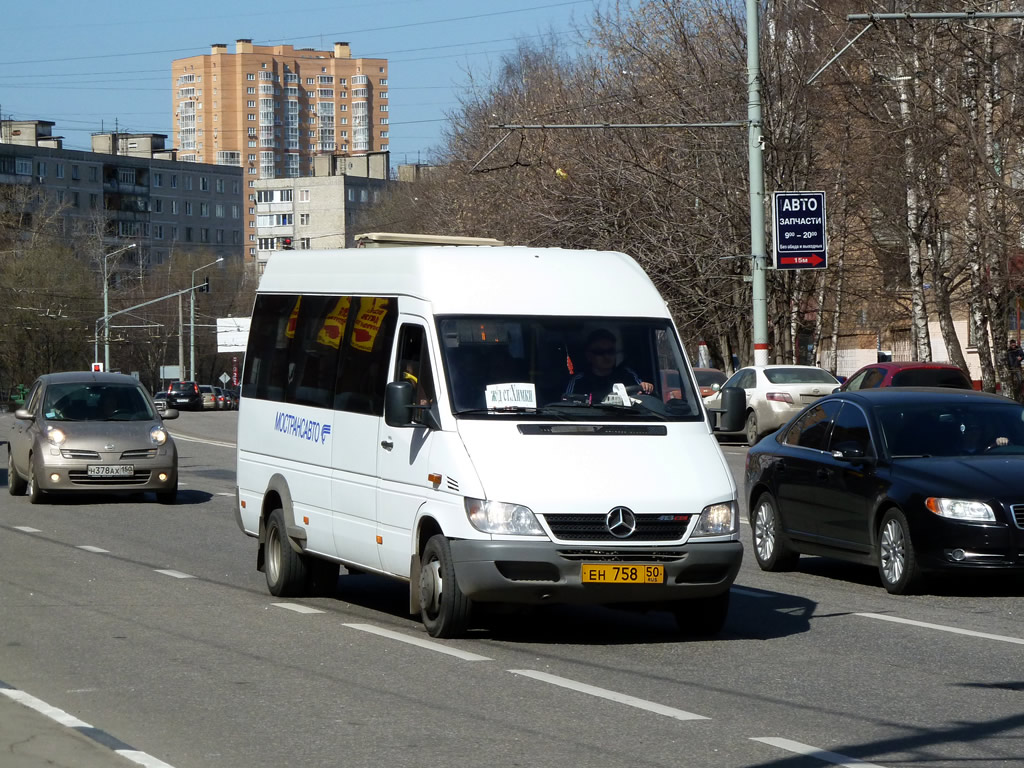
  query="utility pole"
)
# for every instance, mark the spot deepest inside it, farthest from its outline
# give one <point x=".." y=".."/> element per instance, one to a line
<point x="181" y="341"/>
<point x="755" y="160"/>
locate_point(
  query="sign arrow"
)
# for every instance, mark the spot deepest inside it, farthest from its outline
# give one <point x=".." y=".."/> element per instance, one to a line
<point x="812" y="261"/>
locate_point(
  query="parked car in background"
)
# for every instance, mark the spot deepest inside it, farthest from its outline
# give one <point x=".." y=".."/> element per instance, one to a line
<point x="229" y="400"/>
<point x="209" y="397"/>
<point x="710" y="380"/>
<point x="908" y="374"/>
<point x="160" y="401"/>
<point x="90" y="432"/>
<point x="185" y="396"/>
<point x="775" y="393"/>
<point x="908" y="480"/>
<point x="222" y="404"/>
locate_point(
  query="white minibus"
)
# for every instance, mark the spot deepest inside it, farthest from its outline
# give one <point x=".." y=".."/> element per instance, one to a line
<point x="487" y="424"/>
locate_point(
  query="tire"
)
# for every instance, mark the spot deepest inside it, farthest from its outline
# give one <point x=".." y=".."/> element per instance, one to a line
<point x="751" y="429"/>
<point x="897" y="561"/>
<point x="15" y="482"/>
<point x="287" y="572"/>
<point x="702" y="617"/>
<point x="770" y="551"/>
<point x="445" y="611"/>
<point x="170" y="495"/>
<point x="35" y="493"/>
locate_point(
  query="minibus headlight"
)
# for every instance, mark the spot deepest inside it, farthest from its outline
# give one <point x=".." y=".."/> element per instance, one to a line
<point x="158" y="435"/>
<point x="718" y="520"/>
<point x="56" y="436"/>
<point x="499" y="517"/>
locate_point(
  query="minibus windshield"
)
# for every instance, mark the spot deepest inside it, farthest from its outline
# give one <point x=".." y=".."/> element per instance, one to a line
<point x="566" y="368"/>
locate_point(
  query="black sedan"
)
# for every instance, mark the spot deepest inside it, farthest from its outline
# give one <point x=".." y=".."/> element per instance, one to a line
<point x="909" y="480"/>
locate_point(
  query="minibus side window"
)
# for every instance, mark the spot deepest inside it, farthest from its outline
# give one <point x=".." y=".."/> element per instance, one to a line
<point x="366" y="355"/>
<point x="266" y="359"/>
<point x="313" y="350"/>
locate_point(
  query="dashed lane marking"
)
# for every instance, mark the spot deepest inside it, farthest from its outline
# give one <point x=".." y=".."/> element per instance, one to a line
<point x="175" y="574"/>
<point x="943" y="628"/>
<point x="26" y="529"/>
<point x="602" y="693"/>
<point x="420" y="642"/>
<point x="805" y="749"/>
<point x="188" y="439"/>
<point x="298" y="608"/>
<point x="97" y="550"/>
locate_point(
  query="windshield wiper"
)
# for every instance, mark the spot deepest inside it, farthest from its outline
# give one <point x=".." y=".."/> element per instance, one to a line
<point x="506" y="410"/>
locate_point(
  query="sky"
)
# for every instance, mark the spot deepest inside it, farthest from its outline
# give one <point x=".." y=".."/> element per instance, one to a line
<point x="105" y="64"/>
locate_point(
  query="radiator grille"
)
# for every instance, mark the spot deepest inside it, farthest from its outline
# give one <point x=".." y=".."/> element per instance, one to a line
<point x="1018" y="514"/>
<point x="139" y="453"/>
<point x="81" y="477"/>
<point x="595" y="527"/>
<point x="78" y="453"/>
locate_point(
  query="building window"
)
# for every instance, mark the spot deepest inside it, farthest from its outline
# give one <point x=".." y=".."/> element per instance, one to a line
<point x="126" y="175"/>
<point x="188" y="183"/>
<point x="303" y="218"/>
<point x="303" y="195"/>
<point x="94" y="173"/>
<point x="188" y="234"/>
<point x="303" y="243"/>
<point x="383" y="107"/>
<point x="251" y="104"/>
<point x="220" y="185"/>
<point x="158" y="205"/>
<point x="204" y="184"/>
<point x="158" y="179"/>
<point x="250" y="75"/>
<point x="174" y="181"/>
<point x="285" y="195"/>
<point x="234" y="212"/>
<point x="218" y="210"/>
<point x="94" y="201"/>
<point x="174" y="207"/>
<point x="383" y="81"/>
<point x="60" y="170"/>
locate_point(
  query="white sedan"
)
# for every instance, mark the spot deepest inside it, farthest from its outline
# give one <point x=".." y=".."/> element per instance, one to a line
<point x="775" y="393"/>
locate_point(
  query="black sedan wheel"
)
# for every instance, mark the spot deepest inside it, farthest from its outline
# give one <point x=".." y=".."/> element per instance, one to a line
<point x="897" y="562"/>
<point x="770" y="550"/>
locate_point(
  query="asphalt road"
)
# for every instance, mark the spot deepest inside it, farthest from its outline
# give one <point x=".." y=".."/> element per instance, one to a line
<point x="151" y="625"/>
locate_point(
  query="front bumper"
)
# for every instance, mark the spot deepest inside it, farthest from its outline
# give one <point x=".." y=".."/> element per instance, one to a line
<point x="56" y="473"/>
<point x="951" y="545"/>
<point x="545" y="572"/>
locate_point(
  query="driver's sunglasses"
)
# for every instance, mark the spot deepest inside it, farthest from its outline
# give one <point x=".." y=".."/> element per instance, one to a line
<point x="600" y="351"/>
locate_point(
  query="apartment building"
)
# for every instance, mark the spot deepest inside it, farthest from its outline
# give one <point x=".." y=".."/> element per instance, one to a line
<point x="318" y="211"/>
<point x="271" y="110"/>
<point x="130" y="189"/>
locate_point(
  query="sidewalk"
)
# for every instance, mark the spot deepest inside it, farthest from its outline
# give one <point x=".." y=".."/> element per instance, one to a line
<point x="30" y="739"/>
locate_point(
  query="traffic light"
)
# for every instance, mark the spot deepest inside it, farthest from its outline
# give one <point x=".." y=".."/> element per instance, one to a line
<point x="285" y="243"/>
<point x="97" y="367"/>
<point x="205" y="287"/>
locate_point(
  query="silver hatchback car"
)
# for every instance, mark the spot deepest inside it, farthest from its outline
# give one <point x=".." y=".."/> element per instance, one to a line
<point x="82" y="432"/>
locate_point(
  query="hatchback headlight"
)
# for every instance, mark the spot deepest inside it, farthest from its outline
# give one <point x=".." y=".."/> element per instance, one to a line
<point x="56" y="436"/>
<point x="158" y="435"/>
<point x="718" y="520"/>
<point x="961" y="509"/>
<point x="499" y="517"/>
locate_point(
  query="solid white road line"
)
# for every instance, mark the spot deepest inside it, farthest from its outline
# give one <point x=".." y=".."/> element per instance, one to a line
<point x="601" y="693"/>
<point x="175" y="574"/>
<point x="820" y="754"/>
<point x="41" y="706"/>
<point x="943" y="628"/>
<point x="428" y="644"/>
<point x="298" y="608"/>
<point x="142" y="758"/>
<point x="26" y="529"/>
<point x="97" y="550"/>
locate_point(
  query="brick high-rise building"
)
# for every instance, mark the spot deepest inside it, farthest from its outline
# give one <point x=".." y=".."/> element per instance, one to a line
<point x="271" y="108"/>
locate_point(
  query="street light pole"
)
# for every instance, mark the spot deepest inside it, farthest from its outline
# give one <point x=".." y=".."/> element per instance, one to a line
<point x="106" y="306"/>
<point x="192" y="322"/>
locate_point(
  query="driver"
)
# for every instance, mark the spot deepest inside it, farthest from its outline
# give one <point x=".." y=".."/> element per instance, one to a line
<point x="602" y="373"/>
<point x="975" y="440"/>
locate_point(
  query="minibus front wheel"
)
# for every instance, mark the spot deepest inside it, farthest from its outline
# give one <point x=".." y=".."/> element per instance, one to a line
<point x="445" y="610"/>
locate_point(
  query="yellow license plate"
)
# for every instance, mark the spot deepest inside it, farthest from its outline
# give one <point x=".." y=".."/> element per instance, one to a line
<point x="603" y="573"/>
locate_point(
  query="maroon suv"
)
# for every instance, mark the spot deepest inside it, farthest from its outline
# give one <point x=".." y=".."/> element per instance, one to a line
<point x="908" y="375"/>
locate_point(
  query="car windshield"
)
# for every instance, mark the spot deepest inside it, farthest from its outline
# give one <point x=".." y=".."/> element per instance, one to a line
<point x="566" y="368"/>
<point x="799" y="376"/>
<point x="96" y="402"/>
<point x="931" y="377"/>
<point x="709" y="378"/>
<point x="964" y="428"/>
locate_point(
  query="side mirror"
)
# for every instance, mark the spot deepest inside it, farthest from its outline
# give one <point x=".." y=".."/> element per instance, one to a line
<point x="24" y="414"/>
<point x="170" y="413"/>
<point x="849" y="451"/>
<point x="399" y="410"/>
<point x="732" y="414"/>
<point x="716" y="386"/>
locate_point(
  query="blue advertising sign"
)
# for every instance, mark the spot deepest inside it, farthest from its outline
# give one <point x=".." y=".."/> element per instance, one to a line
<point x="799" y="219"/>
